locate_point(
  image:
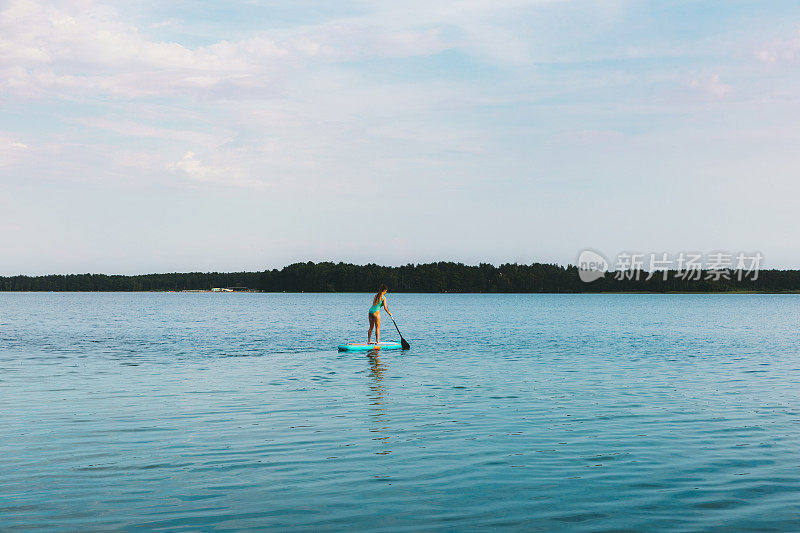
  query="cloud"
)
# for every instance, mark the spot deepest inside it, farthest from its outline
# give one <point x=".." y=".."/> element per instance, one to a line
<point x="85" y="48"/>
<point x="712" y="85"/>
<point x="10" y="228"/>
<point x="306" y="103"/>
<point x="82" y="47"/>
<point x="345" y="42"/>
<point x="590" y="137"/>
<point x="226" y="174"/>
<point x="11" y="150"/>
<point x="780" y="50"/>
<point x="132" y="128"/>
<point x="194" y="169"/>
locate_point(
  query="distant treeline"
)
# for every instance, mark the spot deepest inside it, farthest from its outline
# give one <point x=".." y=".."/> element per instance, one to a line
<point x="430" y="277"/>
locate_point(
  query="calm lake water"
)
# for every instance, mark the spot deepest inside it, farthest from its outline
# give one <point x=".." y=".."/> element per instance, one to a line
<point x="523" y="412"/>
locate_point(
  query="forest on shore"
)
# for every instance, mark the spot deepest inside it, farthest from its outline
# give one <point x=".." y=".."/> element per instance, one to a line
<point x="429" y="277"/>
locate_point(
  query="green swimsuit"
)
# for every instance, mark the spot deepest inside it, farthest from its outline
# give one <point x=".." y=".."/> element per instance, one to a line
<point x="377" y="307"/>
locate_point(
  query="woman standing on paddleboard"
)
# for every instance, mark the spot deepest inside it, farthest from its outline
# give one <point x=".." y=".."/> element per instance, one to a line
<point x="375" y="314"/>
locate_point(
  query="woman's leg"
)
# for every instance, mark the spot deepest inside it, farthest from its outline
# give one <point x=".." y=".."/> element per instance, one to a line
<point x="371" y="325"/>
<point x="377" y="328"/>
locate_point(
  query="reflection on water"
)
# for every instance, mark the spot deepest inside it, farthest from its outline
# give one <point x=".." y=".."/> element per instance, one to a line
<point x="236" y="412"/>
<point x="378" y="401"/>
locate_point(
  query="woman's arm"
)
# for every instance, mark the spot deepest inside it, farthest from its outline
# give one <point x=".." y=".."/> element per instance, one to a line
<point x="385" y="307"/>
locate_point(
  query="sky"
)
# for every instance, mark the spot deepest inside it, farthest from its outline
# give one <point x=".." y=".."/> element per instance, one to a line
<point x="142" y="136"/>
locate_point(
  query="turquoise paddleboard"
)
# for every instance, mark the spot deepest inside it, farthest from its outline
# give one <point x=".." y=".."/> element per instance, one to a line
<point x="364" y="347"/>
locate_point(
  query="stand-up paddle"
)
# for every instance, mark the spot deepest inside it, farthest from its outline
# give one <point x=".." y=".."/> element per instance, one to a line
<point x="386" y="345"/>
<point x="403" y="342"/>
<point x="378" y="301"/>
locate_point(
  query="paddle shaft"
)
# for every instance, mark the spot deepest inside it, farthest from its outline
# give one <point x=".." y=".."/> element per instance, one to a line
<point x="403" y="342"/>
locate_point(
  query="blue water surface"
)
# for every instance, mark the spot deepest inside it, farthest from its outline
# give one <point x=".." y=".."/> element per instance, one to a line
<point x="197" y="412"/>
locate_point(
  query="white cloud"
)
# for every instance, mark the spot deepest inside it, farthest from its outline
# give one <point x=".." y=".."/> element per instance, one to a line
<point x="590" y="137"/>
<point x="86" y="48"/>
<point x="82" y="47"/>
<point x="132" y="128"/>
<point x="712" y="85"/>
<point x="780" y="50"/>
<point x="220" y="173"/>
<point x="11" y="150"/>
<point x="191" y="166"/>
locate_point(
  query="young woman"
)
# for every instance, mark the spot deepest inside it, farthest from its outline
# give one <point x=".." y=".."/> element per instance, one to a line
<point x="375" y="314"/>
